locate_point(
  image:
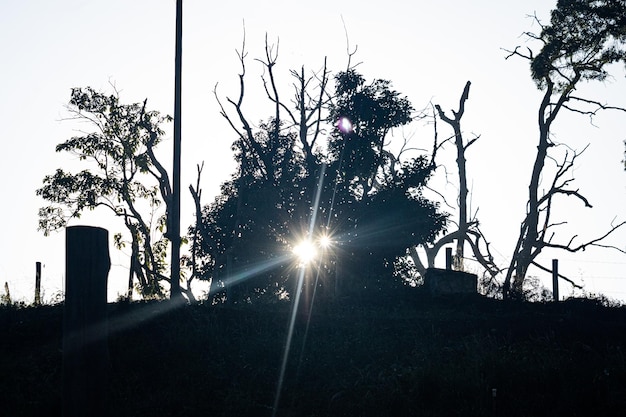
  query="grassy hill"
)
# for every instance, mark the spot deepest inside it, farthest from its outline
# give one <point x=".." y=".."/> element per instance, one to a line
<point x="396" y="354"/>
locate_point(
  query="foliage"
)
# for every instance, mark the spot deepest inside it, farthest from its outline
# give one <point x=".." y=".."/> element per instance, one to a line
<point x="369" y="201"/>
<point x="247" y="225"/>
<point x="372" y="110"/>
<point x="380" y="211"/>
<point x="583" y="37"/>
<point x="122" y="162"/>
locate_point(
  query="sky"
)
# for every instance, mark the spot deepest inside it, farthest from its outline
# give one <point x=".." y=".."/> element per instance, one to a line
<point x="428" y="50"/>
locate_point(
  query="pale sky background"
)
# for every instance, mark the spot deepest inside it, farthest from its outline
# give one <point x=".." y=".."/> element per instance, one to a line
<point x="427" y="49"/>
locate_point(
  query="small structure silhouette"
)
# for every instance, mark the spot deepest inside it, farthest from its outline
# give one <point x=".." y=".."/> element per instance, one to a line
<point x="446" y="282"/>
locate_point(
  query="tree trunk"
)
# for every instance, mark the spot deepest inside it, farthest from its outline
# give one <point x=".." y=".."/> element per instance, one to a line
<point x="529" y="243"/>
<point x="461" y="165"/>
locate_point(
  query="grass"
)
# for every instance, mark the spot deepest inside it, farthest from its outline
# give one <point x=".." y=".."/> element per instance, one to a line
<point x="391" y="354"/>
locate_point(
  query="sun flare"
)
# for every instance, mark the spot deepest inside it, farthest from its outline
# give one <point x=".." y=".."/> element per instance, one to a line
<point x="305" y="251"/>
<point x="325" y="241"/>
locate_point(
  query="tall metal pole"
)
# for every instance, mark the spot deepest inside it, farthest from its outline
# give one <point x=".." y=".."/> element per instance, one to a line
<point x="174" y="221"/>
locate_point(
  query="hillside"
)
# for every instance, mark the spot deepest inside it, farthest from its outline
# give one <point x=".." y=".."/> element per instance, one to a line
<point x="398" y="355"/>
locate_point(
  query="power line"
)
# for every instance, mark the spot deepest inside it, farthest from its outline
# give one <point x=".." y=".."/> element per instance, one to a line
<point x="593" y="262"/>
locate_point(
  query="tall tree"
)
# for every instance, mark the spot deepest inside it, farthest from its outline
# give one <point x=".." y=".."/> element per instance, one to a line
<point x="581" y="41"/>
<point x="465" y="230"/>
<point x="380" y="209"/>
<point x="370" y="201"/>
<point x="251" y="225"/>
<point x="248" y="224"/>
<point x="121" y="166"/>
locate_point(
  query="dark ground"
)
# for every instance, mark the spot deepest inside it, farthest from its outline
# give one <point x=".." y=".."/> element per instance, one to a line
<point x="412" y="356"/>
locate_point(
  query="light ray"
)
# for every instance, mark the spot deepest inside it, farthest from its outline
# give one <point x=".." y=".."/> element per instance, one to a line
<point x="296" y="301"/>
<point x="259" y="268"/>
<point x="325" y="241"/>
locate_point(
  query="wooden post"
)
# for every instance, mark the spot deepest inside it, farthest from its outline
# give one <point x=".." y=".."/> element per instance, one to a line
<point x="85" y="344"/>
<point x="555" y="279"/>
<point x="37" y="283"/>
<point x="448" y="258"/>
<point x="7" y="294"/>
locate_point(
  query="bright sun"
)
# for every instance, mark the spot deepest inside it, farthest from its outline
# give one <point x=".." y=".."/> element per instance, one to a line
<point x="305" y="251"/>
<point x="325" y="241"/>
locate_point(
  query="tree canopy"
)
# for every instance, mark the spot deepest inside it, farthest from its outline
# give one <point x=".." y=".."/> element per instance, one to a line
<point x="353" y="190"/>
<point x="122" y="175"/>
<point x="583" y="37"/>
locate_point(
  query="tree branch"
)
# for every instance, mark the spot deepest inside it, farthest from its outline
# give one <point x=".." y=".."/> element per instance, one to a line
<point x="543" y="268"/>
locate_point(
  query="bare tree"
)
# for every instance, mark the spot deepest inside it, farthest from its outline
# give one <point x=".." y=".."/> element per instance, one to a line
<point x="581" y="40"/>
<point x="192" y="260"/>
<point x="467" y="229"/>
<point x="305" y="111"/>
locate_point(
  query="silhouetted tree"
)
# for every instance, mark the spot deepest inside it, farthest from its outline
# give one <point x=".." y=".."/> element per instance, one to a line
<point x="379" y="208"/>
<point x="369" y="201"/>
<point x="251" y="223"/>
<point x="465" y="228"/>
<point x="121" y="158"/>
<point x="581" y="41"/>
<point x="249" y="229"/>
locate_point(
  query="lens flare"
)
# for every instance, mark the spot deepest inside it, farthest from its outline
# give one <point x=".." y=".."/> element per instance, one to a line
<point x="344" y="125"/>
<point x="325" y="241"/>
<point x="297" y="293"/>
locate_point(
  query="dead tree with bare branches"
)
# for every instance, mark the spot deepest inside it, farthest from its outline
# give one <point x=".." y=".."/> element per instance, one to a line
<point x="467" y="229"/>
<point x="582" y="39"/>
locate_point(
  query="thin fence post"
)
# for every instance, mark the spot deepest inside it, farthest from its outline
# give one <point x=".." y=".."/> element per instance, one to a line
<point x="7" y="294"/>
<point x="448" y="258"/>
<point x="37" y="283"/>
<point x="85" y="333"/>
<point x="555" y="280"/>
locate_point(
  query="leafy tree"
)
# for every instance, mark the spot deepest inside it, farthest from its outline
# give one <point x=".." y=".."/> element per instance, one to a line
<point x="243" y="233"/>
<point x="247" y="230"/>
<point x="122" y="162"/>
<point x="372" y="111"/>
<point x="369" y="200"/>
<point x="380" y="210"/>
<point x="581" y="41"/>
